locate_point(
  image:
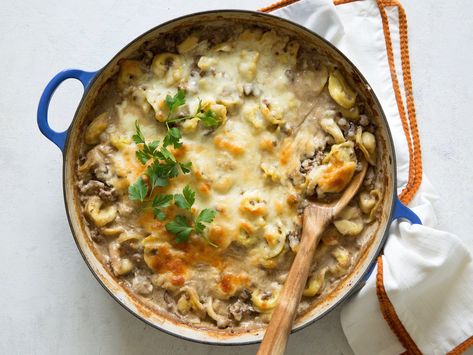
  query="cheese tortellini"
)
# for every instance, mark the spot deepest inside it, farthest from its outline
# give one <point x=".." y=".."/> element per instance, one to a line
<point x="340" y="91"/>
<point x="349" y="221"/>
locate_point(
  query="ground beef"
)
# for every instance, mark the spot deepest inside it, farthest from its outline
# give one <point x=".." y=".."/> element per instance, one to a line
<point x="142" y="285"/>
<point x="92" y="187"/>
<point x="239" y="309"/>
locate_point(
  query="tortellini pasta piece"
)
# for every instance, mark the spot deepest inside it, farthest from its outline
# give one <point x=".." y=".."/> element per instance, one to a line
<point x="366" y="141"/>
<point x="151" y="246"/>
<point x="315" y="283"/>
<point x="352" y="114"/>
<point x="183" y="305"/>
<point x="253" y="204"/>
<point x="247" y="65"/>
<point x="224" y="183"/>
<point x="340" y="168"/>
<point x="270" y="172"/>
<point x="96" y="128"/>
<point x="264" y="302"/>
<point x="100" y="216"/>
<point x="168" y="65"/>
<point x="188" y="44"/>
<point x="275" y="236"/>
<point x="349" y="221"/>
<point x="130" y="71"/>
<point x="120" y="266"/>
<point x="272" y="113"/>
<point x="249" y="231"/>
<point x="112" y="231"/>
<point x="140" y="99"/>
<point x="252" y="114"/>
<point x="205" y="63"/>
<point x="329" y="126"/>
<point x="369" y="202"/>
<point x="129" y="237"/>
<point x="119" y="142"/>
<point x="343" y="259"/>
<point x="93" y="158"/>
<point x="340" y="91"/>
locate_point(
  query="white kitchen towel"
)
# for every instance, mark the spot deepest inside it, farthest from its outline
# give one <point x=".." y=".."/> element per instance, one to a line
<point x="428" y="274"/>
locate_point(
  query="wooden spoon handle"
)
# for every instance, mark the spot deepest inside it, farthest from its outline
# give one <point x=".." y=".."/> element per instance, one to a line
<point x="279" y="328"/>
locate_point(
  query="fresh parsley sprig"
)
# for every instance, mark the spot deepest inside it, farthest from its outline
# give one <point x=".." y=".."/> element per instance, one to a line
<point x="164" y="167"/>
<point x="182" y="226"/>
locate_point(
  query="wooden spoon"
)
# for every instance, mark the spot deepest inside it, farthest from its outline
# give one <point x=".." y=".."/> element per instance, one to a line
<point x="316" y="218"/>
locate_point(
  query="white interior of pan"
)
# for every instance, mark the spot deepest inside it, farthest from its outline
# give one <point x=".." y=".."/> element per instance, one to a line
<point x="166" y="322"/>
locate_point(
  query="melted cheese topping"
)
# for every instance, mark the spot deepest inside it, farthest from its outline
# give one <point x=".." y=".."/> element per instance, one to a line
<point x="254" y="169"/>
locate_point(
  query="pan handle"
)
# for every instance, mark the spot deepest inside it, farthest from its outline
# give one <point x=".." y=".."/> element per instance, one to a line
<point x="58" y="138"/>
<point x="404" y="212"/>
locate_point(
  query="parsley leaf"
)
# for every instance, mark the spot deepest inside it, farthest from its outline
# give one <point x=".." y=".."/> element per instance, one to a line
<point x="166" y="155"/>
<point x="138" y="191"/>
<point x="207" y="215"/>
<point x="209" y="119"/>
<point x="186" y="199"/>
<point x="159" y="173"/>
<point x="177" y="100"/>
<point x="186" y="167"/>
<point x="173" y="137"/>
<point x="159" y="214"/>
<point x="149" y="150"/>
<point x="142" y="157"/>
<point x="160" y="201"/>
<point x="138" y="138"/>
<point x="180" y="227"/>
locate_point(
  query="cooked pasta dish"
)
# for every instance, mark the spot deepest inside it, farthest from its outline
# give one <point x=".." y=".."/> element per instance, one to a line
<point x="197" y="161"/>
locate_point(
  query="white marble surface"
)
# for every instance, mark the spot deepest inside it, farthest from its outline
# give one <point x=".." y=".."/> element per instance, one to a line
<point x="50" y="302"/>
